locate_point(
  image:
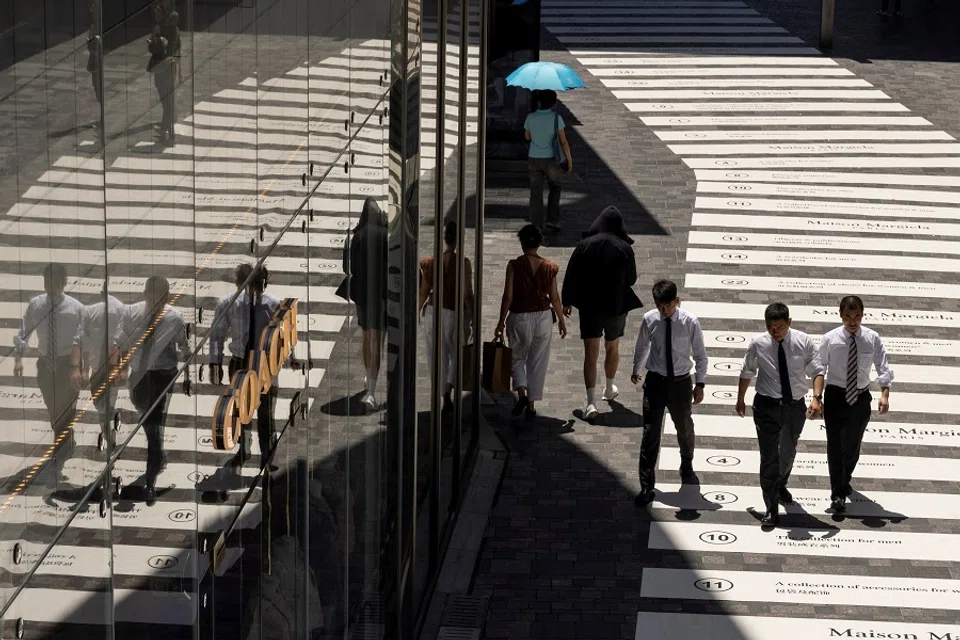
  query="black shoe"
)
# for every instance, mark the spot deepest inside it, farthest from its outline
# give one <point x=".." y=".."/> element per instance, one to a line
<point x="529" y="414"/>
<point x="784" y="496"/>
<point x="447" y="409"/>
<point x="644" y="498"/>
<point x="686" y="470"/>
<point x="518" y="408"/>
<point x="151" y="496"/>
<point x="770" y="519"/>
<point x="838" y="505"/>
<point x="553" y="227"/>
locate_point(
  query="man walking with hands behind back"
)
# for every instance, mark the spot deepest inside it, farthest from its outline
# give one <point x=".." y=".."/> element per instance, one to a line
<point x="847" y="352"/>
<point x="668" y="336"/>
<point x="781" y="359"/>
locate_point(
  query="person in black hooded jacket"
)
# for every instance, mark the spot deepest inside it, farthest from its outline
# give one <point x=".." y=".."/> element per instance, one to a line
<point x="599" y="282"/>
<point x="365" y="260"/>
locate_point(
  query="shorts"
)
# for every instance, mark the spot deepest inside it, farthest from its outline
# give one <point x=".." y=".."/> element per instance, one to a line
<point x="608" y="327"/>
<point x="371" y="318"/>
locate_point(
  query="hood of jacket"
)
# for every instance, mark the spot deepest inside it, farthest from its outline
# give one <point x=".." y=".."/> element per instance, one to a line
<point x="610" y="221"/>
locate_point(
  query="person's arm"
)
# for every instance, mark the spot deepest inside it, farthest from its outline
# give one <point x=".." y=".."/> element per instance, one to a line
<point x="700" y="361"/>
<point x="505" y="301"/>
<point x="571" y="287"/>
<point x="76" y="354"/>
<point x="557" y="307"/>
<point x="468" y="297"/>
<point x="561" y="133"/>
<point x="426" y="286"/>
<point x="747" y="373"/>
<point x="526" y="129"/>
<point x="640" y="351"/>
<point x="884" y="374"/>
<point x="27" y="327"/>
<point x="526" y="135"/>
<point x="816" y="371"/>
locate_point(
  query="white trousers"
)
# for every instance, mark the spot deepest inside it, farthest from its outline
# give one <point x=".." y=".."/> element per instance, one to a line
<point x="448" y="342"/>
<point x="529" y="335"/>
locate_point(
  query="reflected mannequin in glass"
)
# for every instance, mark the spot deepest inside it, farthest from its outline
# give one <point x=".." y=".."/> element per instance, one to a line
<point x="253" y="308"/>
<point x="164" y="64"/>
<point x="92" y="359"/>
<point x="56" y="319"/>
<point x="448" y="343"/>
<point x="528" y="310"/>
<point x="150" y="335"/>
<point x="365" y="254"/>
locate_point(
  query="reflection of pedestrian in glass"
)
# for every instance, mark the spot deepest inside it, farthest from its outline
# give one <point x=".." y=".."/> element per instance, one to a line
<point x="543" y="129"/>
<point x="91" y="358"/>
<point x="95" y="51"/>
<point x="55" y="317"/>
<point x="236" y="322"/>
<point x="153" y="365"/>
<point x="448" y="319"/>
<point x="529" y="293"/>
<point x="599" y="280"/>
<point x="885" y="5"/>
<point x="365" y="254"/>
<point x="164" y="46"/>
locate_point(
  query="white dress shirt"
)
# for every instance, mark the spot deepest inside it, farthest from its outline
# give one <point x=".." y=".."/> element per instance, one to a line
<point x="160" y="351"/>
<point x="65" y="312"/>
<point x="685" y="336"/>
<point x="835" y="349"/>
<point x="235" y="324"/>
<point x="803" y="364"/>
<point x="97" y="328"/>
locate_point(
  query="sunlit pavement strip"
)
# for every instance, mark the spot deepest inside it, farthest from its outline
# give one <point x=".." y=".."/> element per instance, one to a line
<point x="783" y="143"/>
<point x="180" y="197"/>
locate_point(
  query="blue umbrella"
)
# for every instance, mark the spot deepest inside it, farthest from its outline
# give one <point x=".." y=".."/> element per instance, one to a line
<point x="545" y="75"/>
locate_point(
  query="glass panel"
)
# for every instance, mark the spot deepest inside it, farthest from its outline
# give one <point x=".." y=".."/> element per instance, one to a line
<point x="52" y="266"/>
<point x="71" y="594"/>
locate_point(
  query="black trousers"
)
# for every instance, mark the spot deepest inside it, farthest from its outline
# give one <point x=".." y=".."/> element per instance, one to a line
<point x="153" y="385"/>
<point x="544" y="170"/>
<point x="660" y="395"/>
<point x="265" y="422"/>
<point x="53" y="378"/>
<point x="845" y="426"/>
<point x="778" y="431"/>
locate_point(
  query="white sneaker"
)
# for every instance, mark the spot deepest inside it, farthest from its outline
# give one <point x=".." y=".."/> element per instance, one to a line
<point x="590" y="412"/>
<point x="370" y="402"/>
<point x="611" y="393"/>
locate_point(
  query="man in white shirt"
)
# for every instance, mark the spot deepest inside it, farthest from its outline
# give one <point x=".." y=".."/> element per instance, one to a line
<point x="243" y="323"/>
<point x="667" y="338"/>
<point x="847" y="352"/>
<point x="781" y="359"/>
<point x="56" y="318"/>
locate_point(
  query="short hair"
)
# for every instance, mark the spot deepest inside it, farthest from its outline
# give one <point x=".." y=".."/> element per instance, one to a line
<point x="664" y="291"/>
<point x="547" y="98"/>
<point x="156" y="289"/>
<point x="530" y="236"/>
<point x="242" y="272"/>
<point x="259" y="278"/>
<point x="450" y="233"/>
<point x="851" y="303"/>
<point x="54" y="272"/>
<point x="776" y="311"/>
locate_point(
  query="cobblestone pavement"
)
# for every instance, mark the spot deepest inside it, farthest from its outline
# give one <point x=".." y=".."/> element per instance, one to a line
<point x="774" y="173"/>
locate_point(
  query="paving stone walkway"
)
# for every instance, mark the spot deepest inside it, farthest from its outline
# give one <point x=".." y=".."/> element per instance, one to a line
<point x="749" y="168"/>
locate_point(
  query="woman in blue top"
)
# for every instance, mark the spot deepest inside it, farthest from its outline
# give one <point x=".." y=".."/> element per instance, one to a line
<point x="541" y="129"/>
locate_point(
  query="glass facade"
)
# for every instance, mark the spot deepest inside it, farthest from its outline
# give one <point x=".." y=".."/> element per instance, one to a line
<point x="240" y="259"/>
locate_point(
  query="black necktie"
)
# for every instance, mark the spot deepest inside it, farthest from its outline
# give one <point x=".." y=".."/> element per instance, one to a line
<point x="251" y="336"/>
<point x="784" y="374"/>
<point x="668" y="349"/>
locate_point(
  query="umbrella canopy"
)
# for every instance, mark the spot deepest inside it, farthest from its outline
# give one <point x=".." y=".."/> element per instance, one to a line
<point x="545" y="75"/>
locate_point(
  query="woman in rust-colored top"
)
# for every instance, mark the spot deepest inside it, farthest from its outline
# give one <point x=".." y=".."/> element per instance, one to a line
<point x="530" y="306"/>
<point x="448" y="304"/>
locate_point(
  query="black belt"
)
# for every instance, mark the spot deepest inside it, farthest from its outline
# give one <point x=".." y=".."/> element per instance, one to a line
<point x="685" y="376"/>
<point x="844" y="389"/>
<point x="762" y="400"/>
